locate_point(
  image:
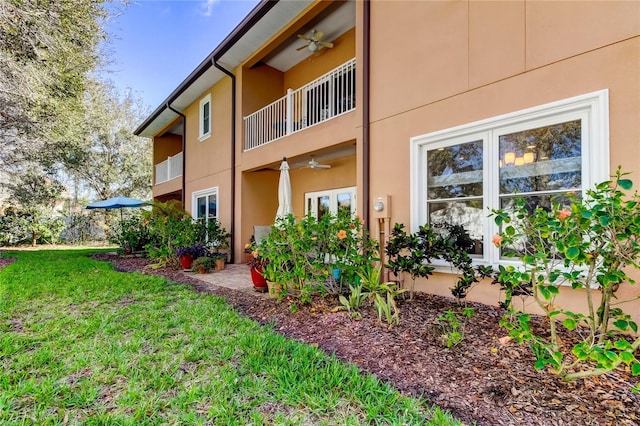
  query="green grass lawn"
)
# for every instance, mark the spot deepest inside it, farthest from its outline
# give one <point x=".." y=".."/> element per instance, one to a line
<point x="82" y="344"/>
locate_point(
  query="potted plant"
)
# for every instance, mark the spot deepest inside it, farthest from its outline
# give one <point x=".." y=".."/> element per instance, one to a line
<point x="202" y="264"/>
<point x="256" y="266"/>
<point x="219" y="260"/>
<point x="186" y="255"/>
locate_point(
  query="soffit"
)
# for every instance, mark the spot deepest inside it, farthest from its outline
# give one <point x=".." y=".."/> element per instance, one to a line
<point x="334" y="21"/>
<point x="234" y="53"/>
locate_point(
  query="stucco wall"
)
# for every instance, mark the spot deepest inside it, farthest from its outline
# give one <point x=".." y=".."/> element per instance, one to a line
<point x="476" y="60"/>
<point x="208" y="162"/>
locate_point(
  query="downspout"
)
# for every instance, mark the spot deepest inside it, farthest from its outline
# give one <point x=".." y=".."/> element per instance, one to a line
<point x="366" y="169"/>
<point x="233" y="149"/>
<point x="184" y="148"/>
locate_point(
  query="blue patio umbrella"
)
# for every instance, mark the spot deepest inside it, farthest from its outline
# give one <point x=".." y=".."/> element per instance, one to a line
<point x="116" y="203"/>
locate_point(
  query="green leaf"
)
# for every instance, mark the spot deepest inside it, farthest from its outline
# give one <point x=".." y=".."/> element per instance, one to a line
<point x="633" y="326"/>
<point x="625" y="184"/>
<point x="635" y="369"/>
<point x="611" y="355"/>
<point x="570" y="324"/>
<point x="622" y="345"/>
<point x="544" y="291"/>
<point x="627" y="357"/>
<point x="621" y="324"/>
<point x="539" y="365"/>
<point x="572" y="252"/>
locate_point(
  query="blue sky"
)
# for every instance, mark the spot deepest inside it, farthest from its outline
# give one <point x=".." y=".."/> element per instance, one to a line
<point x="157" y="43"/>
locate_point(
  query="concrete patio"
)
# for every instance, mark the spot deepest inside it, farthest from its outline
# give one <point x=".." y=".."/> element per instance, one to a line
<point x="237" y="277"/>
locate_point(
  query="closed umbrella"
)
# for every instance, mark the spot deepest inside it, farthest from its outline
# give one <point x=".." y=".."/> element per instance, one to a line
<point x="284" y="191"/>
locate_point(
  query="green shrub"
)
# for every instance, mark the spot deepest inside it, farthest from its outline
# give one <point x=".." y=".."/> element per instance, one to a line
<point x="588" y="245"/>
<point x="303" y="255"/>
<point x="414" y="253"/>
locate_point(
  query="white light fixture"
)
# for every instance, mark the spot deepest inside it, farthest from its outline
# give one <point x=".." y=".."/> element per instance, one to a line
<point x="519" y="161"/>
<point x="313" y="46"/>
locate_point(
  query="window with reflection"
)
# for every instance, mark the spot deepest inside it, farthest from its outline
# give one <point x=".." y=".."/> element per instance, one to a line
<point x="454" y="193"/>
<point x="544" y="155"/>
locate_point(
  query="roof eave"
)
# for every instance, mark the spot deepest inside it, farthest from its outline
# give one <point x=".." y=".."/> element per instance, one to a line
<point x="256" y="14"/>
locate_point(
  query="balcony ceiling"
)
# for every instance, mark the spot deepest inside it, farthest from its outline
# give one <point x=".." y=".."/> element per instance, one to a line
<point x="334" y="21"/>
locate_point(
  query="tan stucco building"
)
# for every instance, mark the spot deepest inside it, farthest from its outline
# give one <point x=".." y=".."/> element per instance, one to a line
<point x="439" y="109"/>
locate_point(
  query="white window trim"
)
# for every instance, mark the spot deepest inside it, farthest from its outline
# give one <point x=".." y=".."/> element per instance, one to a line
<point x="202" y="136"/>
<point x="593" y="108"/>
<point x="204" y="193"/>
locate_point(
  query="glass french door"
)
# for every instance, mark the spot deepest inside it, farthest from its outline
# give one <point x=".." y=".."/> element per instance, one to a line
<point x="334" y="201"/>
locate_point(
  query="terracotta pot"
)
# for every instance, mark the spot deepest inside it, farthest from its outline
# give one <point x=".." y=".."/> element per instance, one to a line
<point x="275" y="289"/>
<point x="186" y="260"/>
<point x="219" y="264"/>
<point x="259" y="282"/>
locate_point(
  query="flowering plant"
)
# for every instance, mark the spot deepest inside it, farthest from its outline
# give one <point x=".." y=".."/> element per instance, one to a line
<point x="590" y="245"/>
<point x="303" y="254"/>
<point x="195" y="251"/>
<point x="255" y="261"/>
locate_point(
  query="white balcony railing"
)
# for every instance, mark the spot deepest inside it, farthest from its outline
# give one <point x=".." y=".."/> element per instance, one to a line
<point x="170" y="168"/>
<point x="326" y="97"/>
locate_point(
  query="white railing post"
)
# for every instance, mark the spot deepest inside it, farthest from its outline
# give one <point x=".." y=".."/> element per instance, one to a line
<point x="169" y="167"/>
<point x="289" y="106"/>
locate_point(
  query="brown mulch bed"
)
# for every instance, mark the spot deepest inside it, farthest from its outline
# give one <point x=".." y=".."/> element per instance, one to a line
<point x="479" y="380"/>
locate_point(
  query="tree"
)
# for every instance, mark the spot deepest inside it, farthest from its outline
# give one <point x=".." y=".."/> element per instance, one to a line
<point x="34" y="196"/>
<point x="109" y="158"/>
<point x="47" y="49"/>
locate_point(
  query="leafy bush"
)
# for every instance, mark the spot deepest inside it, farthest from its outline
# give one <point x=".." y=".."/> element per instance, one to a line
<point x="381" y="294"/>
<point x="414" y="253"/>
<point x="170" y="228"/>
<point x="203" y="262"/>
<point x="303" y="255"/>
<point x="21" y="227"/>
<point x="133" y="233"/>
<point x="451" y="326"/>
<point x="588" y="245"/>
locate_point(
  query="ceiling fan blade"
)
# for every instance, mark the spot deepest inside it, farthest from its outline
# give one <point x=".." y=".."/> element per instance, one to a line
<point x="303" y="37"/>
<point x="325" y="44"/>
<point x="302" y="47"/>
<point x="313" y="164"/>
<point x="317" y="35"/>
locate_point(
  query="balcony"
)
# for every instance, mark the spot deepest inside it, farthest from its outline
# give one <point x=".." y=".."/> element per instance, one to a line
<point x="169" y="169"/>
<point x="327" y="97"/>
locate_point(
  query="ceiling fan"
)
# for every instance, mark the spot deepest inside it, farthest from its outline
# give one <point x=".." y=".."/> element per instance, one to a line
<point x="314" y="43"/>
<point x="313" y="164"/>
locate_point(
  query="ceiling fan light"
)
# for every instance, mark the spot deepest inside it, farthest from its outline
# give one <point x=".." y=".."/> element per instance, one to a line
<point x="313" y="46"/>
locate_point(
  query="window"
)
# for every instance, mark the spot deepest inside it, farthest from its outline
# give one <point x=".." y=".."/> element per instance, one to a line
<point x="205" y="118"/>
<point x="540" y="154"/>
<point x="334" y="201"/>
<point x="205" y="204"/>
